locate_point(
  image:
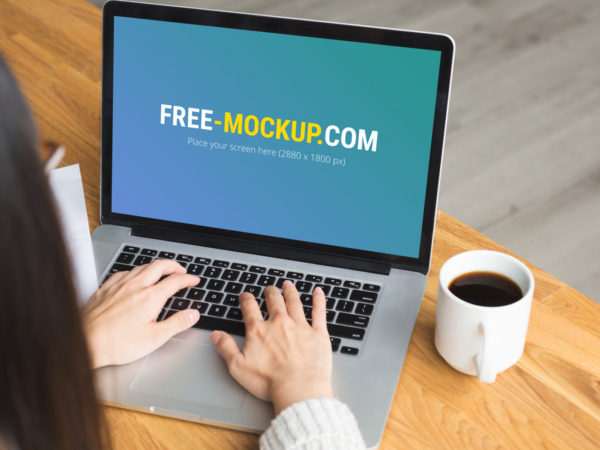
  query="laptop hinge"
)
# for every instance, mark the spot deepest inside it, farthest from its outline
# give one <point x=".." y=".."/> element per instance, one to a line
<point x="261" y="248"/>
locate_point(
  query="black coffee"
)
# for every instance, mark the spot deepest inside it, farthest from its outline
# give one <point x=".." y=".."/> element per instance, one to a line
<point x="486" y="289"/>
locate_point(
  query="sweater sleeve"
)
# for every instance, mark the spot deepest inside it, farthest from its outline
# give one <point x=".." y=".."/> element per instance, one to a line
<point x="323" y="423"/>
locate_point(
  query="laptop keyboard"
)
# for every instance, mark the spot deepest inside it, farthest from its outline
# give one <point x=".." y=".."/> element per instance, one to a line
<point x="350" y="303"/>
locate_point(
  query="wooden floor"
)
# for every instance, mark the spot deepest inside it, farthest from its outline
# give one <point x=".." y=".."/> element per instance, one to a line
<point x="522" y="155"/>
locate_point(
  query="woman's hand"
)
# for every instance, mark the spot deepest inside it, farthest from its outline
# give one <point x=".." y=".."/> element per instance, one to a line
<point x="285" y="360"/>
<point x="120" y="318"/>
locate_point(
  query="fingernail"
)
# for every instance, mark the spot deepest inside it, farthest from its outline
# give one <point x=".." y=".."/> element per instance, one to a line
<point x="216" y="335"/>
<point x="194" y="315"/>
<point x="318" y="290"/>
<point x="288" y="283"/>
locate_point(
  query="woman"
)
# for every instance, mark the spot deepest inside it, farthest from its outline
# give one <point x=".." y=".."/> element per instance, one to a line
<point x="47" y="398"/>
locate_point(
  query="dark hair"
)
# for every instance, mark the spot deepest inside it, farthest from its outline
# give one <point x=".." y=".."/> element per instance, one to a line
<point x="47" y="396"/>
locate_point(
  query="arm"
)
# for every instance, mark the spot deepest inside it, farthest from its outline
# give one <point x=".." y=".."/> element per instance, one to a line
<point x="315" y="423"/>
<point x="288" y="362"/>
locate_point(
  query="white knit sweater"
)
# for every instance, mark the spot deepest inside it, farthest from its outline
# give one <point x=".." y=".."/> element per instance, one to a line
<point x="323" y="423"/>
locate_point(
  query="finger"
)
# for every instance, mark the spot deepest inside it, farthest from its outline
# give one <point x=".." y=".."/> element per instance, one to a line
<point x="228" y="349"/>
<point x="134" y="272"/>
<point x="151" y="273"/>
<point x="114" y="279"/>
<point x="292" y="302"/>
<point x="319" y="313"/>
<point x="274" y="300"/>
<point x="170" y="285"/>
<point x="178" y="322"/>
<point x="250" y="309"/>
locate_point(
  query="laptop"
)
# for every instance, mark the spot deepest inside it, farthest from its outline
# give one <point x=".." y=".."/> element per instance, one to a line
<point x="255" y="149"/>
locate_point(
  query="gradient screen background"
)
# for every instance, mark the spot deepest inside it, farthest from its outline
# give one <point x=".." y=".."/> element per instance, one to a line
<point x="374" y="202"/>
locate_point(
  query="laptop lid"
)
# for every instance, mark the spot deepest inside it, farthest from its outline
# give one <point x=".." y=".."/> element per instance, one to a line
<point x="292" y="138"/>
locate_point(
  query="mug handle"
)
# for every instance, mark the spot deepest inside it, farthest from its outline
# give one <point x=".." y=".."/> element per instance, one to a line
<point x="484" y="361"/>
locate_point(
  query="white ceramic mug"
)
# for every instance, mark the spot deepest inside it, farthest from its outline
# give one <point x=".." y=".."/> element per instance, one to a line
<point x="482" y="340"/>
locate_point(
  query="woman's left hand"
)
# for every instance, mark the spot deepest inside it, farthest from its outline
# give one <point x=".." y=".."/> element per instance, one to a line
<point x="120" y="318"/>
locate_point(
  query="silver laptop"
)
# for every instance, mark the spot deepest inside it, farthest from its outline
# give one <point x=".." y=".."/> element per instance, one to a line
<point x="256" y="149"/>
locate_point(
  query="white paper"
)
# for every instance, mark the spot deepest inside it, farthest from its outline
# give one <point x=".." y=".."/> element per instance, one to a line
<point x="68" y="191"/>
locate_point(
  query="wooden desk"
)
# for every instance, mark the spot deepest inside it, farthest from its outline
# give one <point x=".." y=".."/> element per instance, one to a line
<point x="551" y="398"/>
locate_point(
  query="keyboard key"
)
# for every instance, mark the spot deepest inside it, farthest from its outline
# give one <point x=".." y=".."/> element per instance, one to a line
<point x="325" y="288"/>
<point x="363" y="308"/>
<point x="280" y="282"/>
<point x="219" y="263"/>
<point x="131" y="249"/>
<point x="306" y="299"/>
<point x="349" y="350"/>
<point x="363" y="296"/>
<point x="248" y="278"/>
<point x="345" y="306"/>
<point x="120" y="268"/>
<point x="196" y="294"/>
<point x="314" y="278"/>
<point x="230" y="275"/>
<point x="340" y="292"/>
<point x="352" y="284"/>
<point x="330" y="303"/>
<point x="168" y="314"/>
<point x="107" y="277"/>
<point x="181" y="292"/>
<point x="254" y="290"/>
<point x="234" y="288"/>
<point x="148" y="252"/>
<point x="352" y="319"/>
<point x="200" y="260"/>
<point x="330" y="316"/>
<point x="194" y="269"/>
<point x="333" y="281"/>
<point x="161" y="315"/>
<point x="201" y="283"/>
<point x="238" y="266"/>
<point x="304" y="286"/>
<point x="257" y="269"/>
<point x="307" y="312"/>
<point x="214" y="323"/>
<point x="231" y="300"/>
<point x="266" y="280"/>
<point x="212" y="272"/>
<point x="125" y="258"/>
<point x="183" y="264"/>
<point x="263" y="306"/>
<point x="235" y="314"/>
<point x="335" y="343"/>
<point x="141" y="260"/>
<point x="346" y="332"/>
<point x="214" y="297"/>
<point x="166" y="255"/>
<point x="179" y="303"/>
<point x="217" y="310"/>
<point x="184" y="258"/>
<point x="295" y="275"/>
<point x="215" y="284"/>
<point x="371" y="287"/>
<point x="276" y="272"/>
<point x="201" y="307"/>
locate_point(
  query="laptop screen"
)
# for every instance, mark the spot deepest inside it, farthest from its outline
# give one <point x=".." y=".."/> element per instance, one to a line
<point x="311" y="139"/>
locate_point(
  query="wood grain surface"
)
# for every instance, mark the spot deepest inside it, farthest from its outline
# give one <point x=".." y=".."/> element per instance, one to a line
<point x="549" y="399"/>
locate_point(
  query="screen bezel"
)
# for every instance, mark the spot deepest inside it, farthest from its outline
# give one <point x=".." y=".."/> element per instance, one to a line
<point x="299" y="27"/>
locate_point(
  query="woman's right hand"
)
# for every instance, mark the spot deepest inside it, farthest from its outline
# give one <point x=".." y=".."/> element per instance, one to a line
<point x="285" y="360"/>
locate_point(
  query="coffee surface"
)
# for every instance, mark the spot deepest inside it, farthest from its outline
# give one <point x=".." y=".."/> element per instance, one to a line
<point x="486" y="289"/>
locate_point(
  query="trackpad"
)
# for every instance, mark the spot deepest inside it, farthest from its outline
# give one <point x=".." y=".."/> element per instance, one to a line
<point x="190" y="372"/>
